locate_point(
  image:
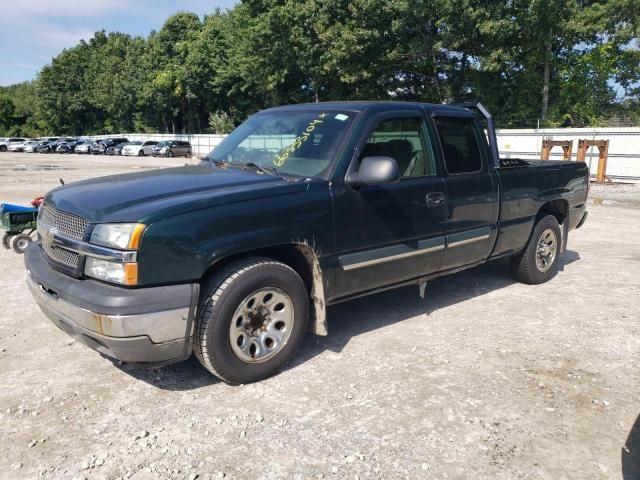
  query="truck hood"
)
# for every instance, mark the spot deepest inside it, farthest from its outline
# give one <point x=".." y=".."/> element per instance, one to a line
<point x="151" y="195"/>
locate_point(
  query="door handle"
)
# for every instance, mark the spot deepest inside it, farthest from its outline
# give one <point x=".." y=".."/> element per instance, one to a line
<point x="435" y="199"/>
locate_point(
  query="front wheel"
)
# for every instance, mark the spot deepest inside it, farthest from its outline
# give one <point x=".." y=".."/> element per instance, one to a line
<point x="538" y="261"/>
<point x="20" y="242"/>
<point x="252" y="317"/>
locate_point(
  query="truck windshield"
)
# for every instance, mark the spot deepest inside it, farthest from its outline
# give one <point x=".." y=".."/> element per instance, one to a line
<point x="291" y="142"/>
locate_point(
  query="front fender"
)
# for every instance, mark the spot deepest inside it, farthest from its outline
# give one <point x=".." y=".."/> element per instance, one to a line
<point x="180" y="249"/>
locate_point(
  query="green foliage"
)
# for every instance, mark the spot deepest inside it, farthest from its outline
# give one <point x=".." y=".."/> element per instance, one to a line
<point x="563" y="62"/>
<point x="220" y="122"/>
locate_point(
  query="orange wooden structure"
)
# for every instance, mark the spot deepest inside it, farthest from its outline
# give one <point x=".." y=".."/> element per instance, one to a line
<point x="603" y="154"/>
<point x="547" y="145"/>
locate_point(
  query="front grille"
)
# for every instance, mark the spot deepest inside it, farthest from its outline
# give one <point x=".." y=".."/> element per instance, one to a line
<point x="68" y="224"/>
<point x="60" y="255"/>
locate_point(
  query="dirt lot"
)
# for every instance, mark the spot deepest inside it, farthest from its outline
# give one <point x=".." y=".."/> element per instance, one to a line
<point x="484" y="378"/>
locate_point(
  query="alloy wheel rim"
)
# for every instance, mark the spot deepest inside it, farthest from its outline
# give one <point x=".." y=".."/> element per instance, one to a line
<point x="546" y="250"/>
<point x="261" y="325"/>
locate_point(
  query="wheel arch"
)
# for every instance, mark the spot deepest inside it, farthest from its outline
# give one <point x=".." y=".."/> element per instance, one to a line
<point x="303" y="258"/>
<point x="559" y="208"/>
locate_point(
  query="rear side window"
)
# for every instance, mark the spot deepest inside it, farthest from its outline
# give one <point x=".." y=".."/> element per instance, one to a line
<point x="459" y="144"/>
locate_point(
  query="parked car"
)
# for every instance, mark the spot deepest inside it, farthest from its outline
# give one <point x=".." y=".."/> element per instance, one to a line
<point x="47" y="146"/>
<point x="7" y="142"/>
<point x="172" y="148"/>
<point x="100" y="147"/>
<point x="139" y="148"/>
<point x="84" y="146"/>
<point x="237" y="257"/>
<point x="30" y="146"/>
<point x="69" y="145"/>
<point x="63" y="147"/>
<point x="116" y="149"/>
<point x="16" y="146"/>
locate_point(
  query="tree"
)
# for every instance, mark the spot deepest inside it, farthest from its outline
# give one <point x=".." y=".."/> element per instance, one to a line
<point x="220" y="122"/>
<point x="558" y="61"/>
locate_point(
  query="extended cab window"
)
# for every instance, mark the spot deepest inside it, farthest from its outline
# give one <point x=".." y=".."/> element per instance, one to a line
<point x="402" y="140"/>
<point x="459" y="144"/>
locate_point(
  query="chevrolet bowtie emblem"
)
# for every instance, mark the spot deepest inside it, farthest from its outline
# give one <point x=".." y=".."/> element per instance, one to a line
<point x="48" y="235"/>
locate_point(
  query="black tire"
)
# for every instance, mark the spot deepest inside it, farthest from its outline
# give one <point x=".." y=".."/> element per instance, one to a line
<point x="20" y="242"/>
<point x="526" y="266"/>
<point x="170" y="154"/>
<point x="6" y="240"/>
<point x="3" y="148"/>
<point x="223" y="294"/>
<point x="141" y="153"/>
<point x="188" y="154"/>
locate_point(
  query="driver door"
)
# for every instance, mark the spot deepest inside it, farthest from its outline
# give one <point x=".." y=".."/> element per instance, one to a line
<point x="387" y="234"/>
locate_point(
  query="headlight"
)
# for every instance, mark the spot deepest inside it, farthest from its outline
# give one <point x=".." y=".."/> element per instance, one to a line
<point x="164" y="149"/>
<point x="118" y="235"/>
<point x="122" y="273"/>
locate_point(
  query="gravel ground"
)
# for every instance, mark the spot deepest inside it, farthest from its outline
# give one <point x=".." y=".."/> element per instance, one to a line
<point x="484" y="378"/>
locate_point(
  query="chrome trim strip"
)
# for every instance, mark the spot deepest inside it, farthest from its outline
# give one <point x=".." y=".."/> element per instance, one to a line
<point x="51" y="236"/>
<point x="376" y="261"/>
<point x="468" y="240"/>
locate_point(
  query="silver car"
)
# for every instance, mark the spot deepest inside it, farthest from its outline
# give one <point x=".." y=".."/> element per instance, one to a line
<point x="7" y="142"/>
<point x="84" y="147"/>
<point x="30" y="146"/>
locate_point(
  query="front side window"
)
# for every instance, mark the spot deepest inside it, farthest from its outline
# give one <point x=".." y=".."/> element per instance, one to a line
<point x="298" y="142"/>
<point x="459" y="144"/>
<point x="402" y="139"/>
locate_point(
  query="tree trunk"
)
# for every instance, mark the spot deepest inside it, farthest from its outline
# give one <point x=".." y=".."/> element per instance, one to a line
<point x="545" y="80"/>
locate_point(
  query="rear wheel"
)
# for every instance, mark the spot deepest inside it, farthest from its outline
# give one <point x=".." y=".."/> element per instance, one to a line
<point x="538" y="261"/>
<point x="252" y="317"/>
<point x="6" y="240"/>
<point x="187" y="154"/>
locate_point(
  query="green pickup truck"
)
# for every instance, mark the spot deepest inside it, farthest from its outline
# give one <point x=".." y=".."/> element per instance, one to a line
<point x="300" y="207"/>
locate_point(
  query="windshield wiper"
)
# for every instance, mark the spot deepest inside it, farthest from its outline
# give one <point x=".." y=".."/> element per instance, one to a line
<point x="216" y="163"/>
<point x="270" y="171"/>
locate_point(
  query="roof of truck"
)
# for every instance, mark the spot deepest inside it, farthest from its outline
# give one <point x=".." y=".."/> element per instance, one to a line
<point x="359" y="106"/>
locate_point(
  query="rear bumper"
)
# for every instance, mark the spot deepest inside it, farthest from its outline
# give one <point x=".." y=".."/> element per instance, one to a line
<point x="583" y="219"/>
<point x="150" y="326"/>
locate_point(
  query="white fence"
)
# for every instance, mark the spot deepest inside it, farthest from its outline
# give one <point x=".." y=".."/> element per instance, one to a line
<point x="624" y="145"/>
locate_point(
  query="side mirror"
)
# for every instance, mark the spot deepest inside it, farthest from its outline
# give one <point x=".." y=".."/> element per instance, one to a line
<point x="375" y="171"/>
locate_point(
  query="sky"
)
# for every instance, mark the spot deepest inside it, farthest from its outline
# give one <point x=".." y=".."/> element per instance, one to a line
<point x="32" y="32"/>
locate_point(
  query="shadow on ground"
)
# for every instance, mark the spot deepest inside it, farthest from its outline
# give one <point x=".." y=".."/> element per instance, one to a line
<point x="631" y="453"/>
<point x="350" y="319"/>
